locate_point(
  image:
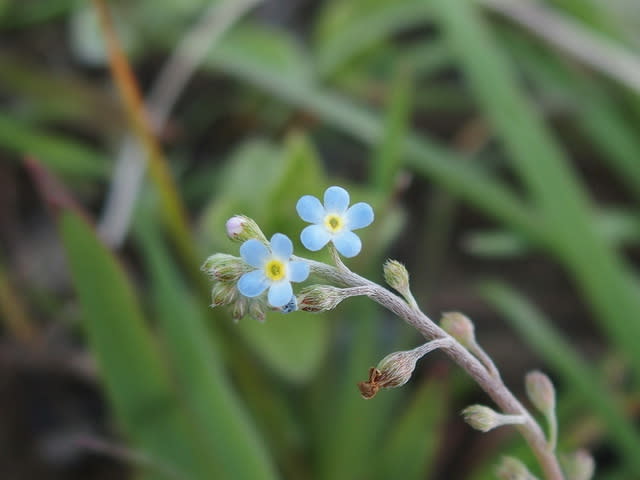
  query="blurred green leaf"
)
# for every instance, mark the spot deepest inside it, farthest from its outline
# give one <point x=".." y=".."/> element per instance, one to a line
<point x="64" y="156"/>
<point x="387" y="159"/>
<point x="540" y="334"/>
<point x="345" y="29"/>
<point x="600" y="273"/>
<point x="135" y="378"/>
<point x="411" y="445"/>
<point x="223" y="424"/>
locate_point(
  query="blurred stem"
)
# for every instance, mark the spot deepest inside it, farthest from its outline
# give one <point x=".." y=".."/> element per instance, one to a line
<point x="173" y="209"/>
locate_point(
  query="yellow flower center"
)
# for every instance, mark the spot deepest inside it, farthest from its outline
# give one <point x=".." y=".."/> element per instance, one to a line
<point x="333" y="222"/>
<point x="275" y="270"/>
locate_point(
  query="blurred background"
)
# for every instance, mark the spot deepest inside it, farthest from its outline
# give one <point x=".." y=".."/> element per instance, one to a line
<point x="497" y="141"/>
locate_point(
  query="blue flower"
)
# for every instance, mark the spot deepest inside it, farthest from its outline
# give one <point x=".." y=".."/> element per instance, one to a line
<point x="274" y="270"/>
<point x="334" y="221"/>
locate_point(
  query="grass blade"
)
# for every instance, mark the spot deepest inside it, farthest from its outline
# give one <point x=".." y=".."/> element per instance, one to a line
<point x="136" y="382"/>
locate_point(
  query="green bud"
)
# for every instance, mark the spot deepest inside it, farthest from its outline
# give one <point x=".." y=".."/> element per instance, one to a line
<point x="541" y="392"/>
<point x="320" y="298"/>
<point x="223" y="294"/>
<point x="513" y="469"/>
<point x="484" y="418"/>
<point x="459" y="326"/>
<point x="225" y="268"/>
<point x="396" y="275"/>
<point x="241" y="228"/>
<point x="578" y="465"/>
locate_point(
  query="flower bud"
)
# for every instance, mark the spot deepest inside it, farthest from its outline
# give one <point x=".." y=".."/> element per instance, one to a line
<point x="240" y="308"/>
<point x="541" y="392"/>
<point x="257" y="310"/>
<point x="396" y="275"/>
<point x="484" y="418"/>
<point x="578" y="465"/>
<point x="393" y="370"/>
<point x="223" y="294"/>
<point x="459" y="326"/>
<point x="320" y="298"/>
<point x="396" y="368"/>
<point x="225" y="268"/>
<point x="513" y="469"/>
<point x="241" y="228"/>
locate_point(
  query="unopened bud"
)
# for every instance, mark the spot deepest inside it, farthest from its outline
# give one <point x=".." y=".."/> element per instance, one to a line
<point x="240" y="308"/>
<point x="223" y="294"/>
<point x="396" y="275"/>
<point x="257" y="310"/>
<point x="320" y="298"/>
<point x="541" y="392"/>
<point x="513" y="469"/>
<point x="459" y="326"/>
<point x="484" y="418"/>
<point x="396" y="368"/>
<point x="579" y="465"/>
<point x="225" y="268"/>
<point x="241" y="228"/>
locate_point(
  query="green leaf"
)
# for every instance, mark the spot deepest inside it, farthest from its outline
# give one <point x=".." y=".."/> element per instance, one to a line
<point x="345" y="29"/>
<point x="600" y="273"/>
<point x="222" y="420"/>
<point x="411" y="445"/>
<point x="63" y="156"/>
<point x="135" y="379"/>
<point x="388" y="156"/>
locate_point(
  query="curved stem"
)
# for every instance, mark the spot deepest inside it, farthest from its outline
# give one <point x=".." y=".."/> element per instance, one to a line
<point x="492" y="384"/>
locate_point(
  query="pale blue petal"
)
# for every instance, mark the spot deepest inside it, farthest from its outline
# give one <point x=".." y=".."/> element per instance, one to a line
<point x="359" y="215"/>
<point x="280" y="293"/>
<point x="298" y="271"/>
<point x="347" y="243"/>
<point x="336" y="199"/>
<point x="310" y="209"/>
<point x="254" y="252"/>
<point x="253" y="283"/>
<point x="281" y="246"/>
<point x="314" y="237"/>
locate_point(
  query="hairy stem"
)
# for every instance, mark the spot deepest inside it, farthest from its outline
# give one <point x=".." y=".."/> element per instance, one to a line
<point x="485" y="377"/>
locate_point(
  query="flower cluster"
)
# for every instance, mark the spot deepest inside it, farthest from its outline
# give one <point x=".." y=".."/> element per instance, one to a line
<point x="261" y="277"/>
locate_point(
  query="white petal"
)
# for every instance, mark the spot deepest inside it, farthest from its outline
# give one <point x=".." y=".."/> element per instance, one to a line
<point x="359" y="215"/>
<point x="253" y="283"/>
<point x="336" y="199"/>
<point x="254" y="252"/>
<point x="298" y="271"/>
<point x="314" y="237"/>
<point x="348" y="244"/>
<point x="280" y="293"/>
<point x="310" y="209"/>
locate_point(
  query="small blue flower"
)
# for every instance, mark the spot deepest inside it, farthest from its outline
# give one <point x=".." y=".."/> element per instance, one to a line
<point x="334" y="221"/>
<point x="274" y="270"/>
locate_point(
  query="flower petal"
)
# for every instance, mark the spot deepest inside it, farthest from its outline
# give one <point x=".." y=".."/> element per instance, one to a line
<point x="280" y="293"/>
<point x="336" y="199"/>
<point x="298" y="271"/>
<point x="253" y="283"/>
<point x="348" y="244"/>
<point x="254" y="252"/>
<point x="281" y="246"/>
<point x="359" y="215"/>
<point x="310" y="209"/>
<point x="314" y="237"/>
